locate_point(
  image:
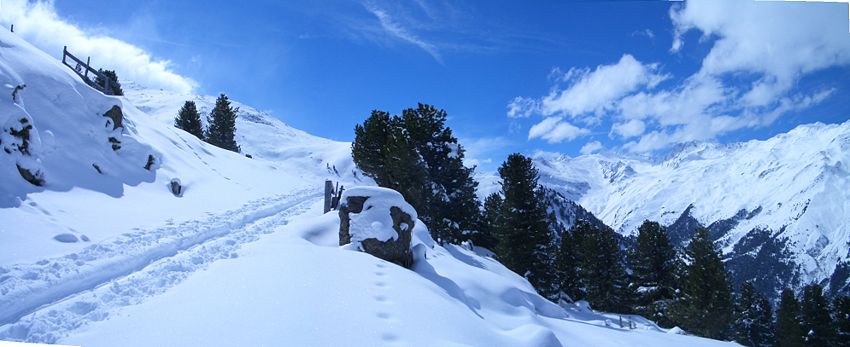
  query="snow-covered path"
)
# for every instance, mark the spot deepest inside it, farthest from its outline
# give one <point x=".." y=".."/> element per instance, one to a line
<point x="45" y="300"/>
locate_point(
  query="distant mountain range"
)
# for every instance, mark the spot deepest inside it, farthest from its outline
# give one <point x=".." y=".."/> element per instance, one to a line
<point x="779" y="209"/>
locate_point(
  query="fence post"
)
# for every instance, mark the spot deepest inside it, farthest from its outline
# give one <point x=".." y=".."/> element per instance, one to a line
<point x="88" y="64"/>
<point x="329" y="187"/>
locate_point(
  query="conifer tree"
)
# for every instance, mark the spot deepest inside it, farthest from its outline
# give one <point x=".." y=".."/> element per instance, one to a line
<point x="524" y="239"/>
<point x="753" y="318"/>
<point x="115" y="85"/>
<point x="189" y="120"/>
<point x="369" y="149"/>
<point x="445" y="196"/>
<point x="817" y="324"/>
<point x="841" y="319"/>
<point x="452" y="204"/>
<point x="222" y="125"/>
<point x="603" y="281"/>
<point x="653" y="265"/>
<point x="405" y="170"/>
<point x="492" y="220"/>
<point x="567" y="265"/>
<point x="789" y="330"/>
<point x="705" y="307"/>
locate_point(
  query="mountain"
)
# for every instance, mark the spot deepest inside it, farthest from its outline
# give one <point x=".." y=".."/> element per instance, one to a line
<point x="119" y="229"/>
<point x="779" y="208"/>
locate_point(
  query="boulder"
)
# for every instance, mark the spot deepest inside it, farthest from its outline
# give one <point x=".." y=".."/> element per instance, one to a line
<point x="377" y="221"/>
<point x="116" y="116"/>
<point x="35" y="178"/>
<point x="175" y="187"/>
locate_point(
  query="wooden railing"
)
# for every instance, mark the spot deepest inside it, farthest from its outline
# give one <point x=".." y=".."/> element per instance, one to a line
<point x="83" y="68"/>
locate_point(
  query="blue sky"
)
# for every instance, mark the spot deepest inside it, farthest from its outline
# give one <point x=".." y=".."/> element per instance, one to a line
<point x="561" y="76"/>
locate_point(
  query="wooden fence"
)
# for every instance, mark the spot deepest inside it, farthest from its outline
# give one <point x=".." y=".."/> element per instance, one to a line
<point x="84" y="68"/>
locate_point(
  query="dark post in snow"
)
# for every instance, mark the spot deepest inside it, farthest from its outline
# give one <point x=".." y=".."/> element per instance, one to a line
<point x="332" y="195"/>
<point x="12" y="28"/>
<point x="329" y="188"/>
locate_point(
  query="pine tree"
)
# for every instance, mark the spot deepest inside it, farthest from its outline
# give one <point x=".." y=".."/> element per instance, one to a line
<point x="817" y="324"/>
<point x="115" y="85"/>
<point x="189" y="120"/>
<point x="653" y="265"/>
<point x="452" y="202"/>
<point x="405" y="170"/>
<point x="222" y="125"/>
<point x="789" y="330"/>
<point x="446" y="198"/>
<point x="705" y="307"/>
<point x="567" y="265"/>
<point x="841" y="319"/>
<point x="603" y="281"/>
<point x="492" y="222"/>
<point x="753" y="318"/>
<point x="524" y="244"/>
<point x="369" y="149"/>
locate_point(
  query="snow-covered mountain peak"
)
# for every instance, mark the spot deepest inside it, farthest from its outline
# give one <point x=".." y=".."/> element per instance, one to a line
<point x="795" y="185"/>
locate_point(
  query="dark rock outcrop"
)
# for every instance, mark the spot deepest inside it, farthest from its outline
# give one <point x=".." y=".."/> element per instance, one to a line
<point x="36" y="178"/>
<point x="116" y="116"/>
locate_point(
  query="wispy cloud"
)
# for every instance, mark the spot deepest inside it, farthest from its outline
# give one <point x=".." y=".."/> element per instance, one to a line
<point x="395" y="29"/>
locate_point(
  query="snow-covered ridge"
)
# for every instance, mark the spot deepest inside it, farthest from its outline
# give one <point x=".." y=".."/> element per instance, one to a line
<point x="796" y="185"/>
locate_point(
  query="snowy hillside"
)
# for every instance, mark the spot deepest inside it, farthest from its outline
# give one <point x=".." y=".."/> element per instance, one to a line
<point x="780" y="208"/>
<point x="260" y="134"/>
<point x="97" y="250"/>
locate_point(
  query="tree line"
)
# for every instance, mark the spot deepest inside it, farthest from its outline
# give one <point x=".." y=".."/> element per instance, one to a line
<point x="221" y="131"/>
<point x="417" y="155"/>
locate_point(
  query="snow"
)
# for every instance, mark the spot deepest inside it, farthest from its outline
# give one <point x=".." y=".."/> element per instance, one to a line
<point x="244" y="256"/>
<point x="297" y="287"/>
<point x="374" y="221"/>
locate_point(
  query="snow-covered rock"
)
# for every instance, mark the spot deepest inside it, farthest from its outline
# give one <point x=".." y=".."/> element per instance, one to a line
<point x="377" y="221"/>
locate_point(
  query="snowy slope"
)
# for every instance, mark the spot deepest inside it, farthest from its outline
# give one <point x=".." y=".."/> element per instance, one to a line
<point x="84" y="227"/>
<point x="258" y="133"/>
<point x="297" y="287"/>
<point x="243" y="254"/>
<point x="793" y="188"/>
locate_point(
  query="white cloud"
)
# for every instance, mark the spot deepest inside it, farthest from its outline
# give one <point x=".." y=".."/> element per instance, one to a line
<point x="631" y="128"/>
<point x="778" y="41"/>
<point x="522" y="107"/>
<point x="395" y="29"/>
<point x="746" y="80"/>
<point x="39" y="24"/>
<point x="480" y="150"/>
<point x="596" y="91"/>
<point x="555" y="130"/>
<point x="591" y="147"/>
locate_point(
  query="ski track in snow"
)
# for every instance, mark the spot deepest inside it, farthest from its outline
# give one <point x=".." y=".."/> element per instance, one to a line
<point x="42" y="302"/>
